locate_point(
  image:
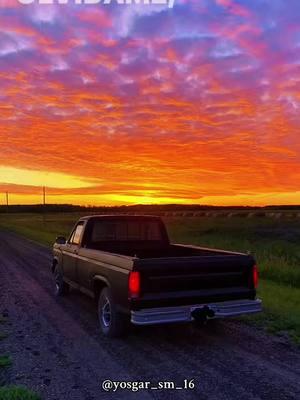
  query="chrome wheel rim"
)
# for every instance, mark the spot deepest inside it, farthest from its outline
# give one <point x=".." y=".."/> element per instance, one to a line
<point x="106" y="313"/>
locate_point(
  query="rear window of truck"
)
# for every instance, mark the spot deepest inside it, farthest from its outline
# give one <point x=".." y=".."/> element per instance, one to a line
<point x="126" y="231"/>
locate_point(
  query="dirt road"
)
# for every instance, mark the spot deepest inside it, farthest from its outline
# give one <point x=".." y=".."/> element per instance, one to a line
<point x="57" y="349"/>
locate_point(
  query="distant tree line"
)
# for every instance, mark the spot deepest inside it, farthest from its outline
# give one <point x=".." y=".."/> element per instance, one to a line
<point x="56" y="208"/>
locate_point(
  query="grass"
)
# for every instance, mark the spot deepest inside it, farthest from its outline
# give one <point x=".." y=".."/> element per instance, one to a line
<point x="5" y="361"/>
<point x="17" y="393"/>
<point x="282" y="309"/>
<point x="274" y="242"/>
<point x="36" y="227"/>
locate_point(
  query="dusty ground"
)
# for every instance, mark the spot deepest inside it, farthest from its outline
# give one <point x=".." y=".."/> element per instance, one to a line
<point x="58" y="351"/>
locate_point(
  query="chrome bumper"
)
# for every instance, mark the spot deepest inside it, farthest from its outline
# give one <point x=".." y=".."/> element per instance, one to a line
<point x="184" y="313"/>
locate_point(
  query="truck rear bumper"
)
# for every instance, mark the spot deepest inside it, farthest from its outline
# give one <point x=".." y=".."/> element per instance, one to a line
<point x="187" y="313"/>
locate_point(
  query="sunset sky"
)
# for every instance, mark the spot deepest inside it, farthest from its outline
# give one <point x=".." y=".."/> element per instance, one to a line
<point x="112" y="104"/>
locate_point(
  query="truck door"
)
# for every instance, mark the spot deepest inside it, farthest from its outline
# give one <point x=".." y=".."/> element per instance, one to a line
<point x="70" y="253"/>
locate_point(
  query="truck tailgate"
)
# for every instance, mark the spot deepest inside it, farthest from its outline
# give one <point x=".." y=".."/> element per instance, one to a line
<point x="194" y="280"/>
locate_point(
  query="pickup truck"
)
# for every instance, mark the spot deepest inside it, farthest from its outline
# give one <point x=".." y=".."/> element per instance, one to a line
<point x="128" y="265"/>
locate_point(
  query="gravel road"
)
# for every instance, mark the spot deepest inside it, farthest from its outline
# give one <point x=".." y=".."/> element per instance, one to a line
<point x="57" y="349"/>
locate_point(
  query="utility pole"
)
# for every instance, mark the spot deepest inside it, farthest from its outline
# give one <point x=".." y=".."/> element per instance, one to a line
<point x="7" y="202"/>
<point x="44" y="205"/>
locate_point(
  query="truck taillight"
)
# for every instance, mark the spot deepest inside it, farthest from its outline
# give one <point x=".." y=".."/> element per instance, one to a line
<point x="134" y="284"/>
<point x="255" y="276"/>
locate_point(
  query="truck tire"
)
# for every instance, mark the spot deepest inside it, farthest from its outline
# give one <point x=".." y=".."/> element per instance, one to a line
<point x="61" y="287"/>
<point x="112" y="323"/>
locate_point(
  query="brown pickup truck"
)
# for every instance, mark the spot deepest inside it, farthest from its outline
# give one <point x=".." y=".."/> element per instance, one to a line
<point x="128" y="265"/>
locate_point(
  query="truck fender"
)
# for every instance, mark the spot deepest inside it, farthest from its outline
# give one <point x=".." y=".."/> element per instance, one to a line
<point x="100" y="282"/>
<point x="55" y="262"/>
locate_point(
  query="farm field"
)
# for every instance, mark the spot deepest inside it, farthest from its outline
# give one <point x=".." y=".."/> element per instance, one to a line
<point x="274" y="242"/>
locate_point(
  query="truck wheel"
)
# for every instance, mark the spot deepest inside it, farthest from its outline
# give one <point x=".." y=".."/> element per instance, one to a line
<point x="61" y="287"/>
<point x="112" y="322"/>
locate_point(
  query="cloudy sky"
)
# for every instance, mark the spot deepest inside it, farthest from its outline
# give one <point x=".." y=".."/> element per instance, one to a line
<point x="111" y="104"/>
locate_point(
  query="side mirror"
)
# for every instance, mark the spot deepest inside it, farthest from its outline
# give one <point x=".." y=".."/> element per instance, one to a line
<point x="60" y="240"/>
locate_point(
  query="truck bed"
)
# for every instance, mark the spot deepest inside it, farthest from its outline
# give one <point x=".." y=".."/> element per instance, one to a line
<point x="176" y="250"/>
<point x="148" y="251"/>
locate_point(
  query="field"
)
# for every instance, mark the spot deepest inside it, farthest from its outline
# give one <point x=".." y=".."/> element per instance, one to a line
<point x="274" y="242"/>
